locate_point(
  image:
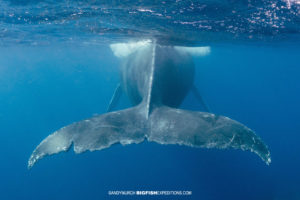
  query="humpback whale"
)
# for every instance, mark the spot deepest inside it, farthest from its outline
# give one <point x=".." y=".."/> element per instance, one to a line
<point x="156" y="79"/>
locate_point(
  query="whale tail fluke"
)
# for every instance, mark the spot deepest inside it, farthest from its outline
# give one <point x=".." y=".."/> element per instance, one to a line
<point x="164" y="125"/>
<point x="96" y="133"/>
<point x="204" y="130"/>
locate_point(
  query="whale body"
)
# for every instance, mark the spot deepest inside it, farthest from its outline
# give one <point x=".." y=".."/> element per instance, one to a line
<point x="156" y="79"/>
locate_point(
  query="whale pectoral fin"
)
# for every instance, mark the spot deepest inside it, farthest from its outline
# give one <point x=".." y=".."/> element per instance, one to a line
<point x="96" y="133"/>
<point x="194" y="51"/>
<point x="115" y="98"/>
<point x="198" y="96"/>
<point x="206" y="130"/>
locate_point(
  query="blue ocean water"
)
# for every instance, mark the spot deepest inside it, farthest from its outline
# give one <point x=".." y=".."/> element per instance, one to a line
<point x="56" y="68"/>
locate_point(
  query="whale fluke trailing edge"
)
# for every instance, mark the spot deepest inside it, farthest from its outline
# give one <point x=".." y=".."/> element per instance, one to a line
<point x="156" y="79"/>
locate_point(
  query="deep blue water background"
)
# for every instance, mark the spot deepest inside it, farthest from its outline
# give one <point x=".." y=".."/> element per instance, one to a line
<point x="56" y="68"/>
<point x="45" y="88"/>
